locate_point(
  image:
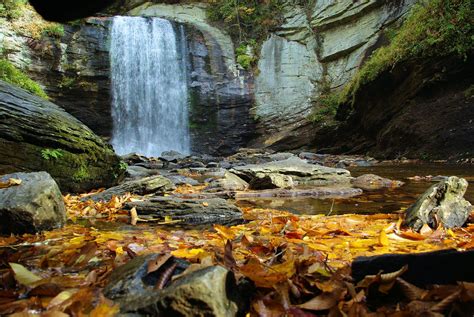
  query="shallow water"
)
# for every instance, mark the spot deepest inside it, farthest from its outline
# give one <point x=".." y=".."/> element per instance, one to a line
<point x="380" y="201"/>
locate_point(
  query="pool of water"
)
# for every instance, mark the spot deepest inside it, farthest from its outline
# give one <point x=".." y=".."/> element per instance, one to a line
<point x="389" y="200"/>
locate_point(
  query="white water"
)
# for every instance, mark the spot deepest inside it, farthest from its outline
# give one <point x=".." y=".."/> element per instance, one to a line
<point x="149" y="87"/>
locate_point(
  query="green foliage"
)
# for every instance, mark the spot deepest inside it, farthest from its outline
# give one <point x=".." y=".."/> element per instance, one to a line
<point x="327" y="108"/>
<point x="81" y="174"/>
<point x="11" y="9"/>
<point x="123" y="166"/>
<point x="55" y="30"/>
<point x="245" y="54"/>
<point x="246" y="19"/>
<point x="14" y="76"/>
<point x="434" y="28"/>
<point x="66" y="82"/>
<point x="49" y="154"/>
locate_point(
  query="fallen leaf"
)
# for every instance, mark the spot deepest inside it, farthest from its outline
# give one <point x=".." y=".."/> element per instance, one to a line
<point x="23" y="275"/>
<point x="321" y="302"/>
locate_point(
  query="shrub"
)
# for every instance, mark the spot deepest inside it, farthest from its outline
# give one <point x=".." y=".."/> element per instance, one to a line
<point x="11" y="9"/>
<point x="14" y="76"/>
<point x="49" y="154"/>
<point x="53" y="30"/>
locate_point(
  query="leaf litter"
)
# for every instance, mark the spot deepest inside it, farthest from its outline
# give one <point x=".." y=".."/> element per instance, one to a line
<point x="300" y="265"/>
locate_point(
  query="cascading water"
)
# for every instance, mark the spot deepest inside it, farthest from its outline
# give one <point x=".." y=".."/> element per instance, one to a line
<point x="149" y="86"/>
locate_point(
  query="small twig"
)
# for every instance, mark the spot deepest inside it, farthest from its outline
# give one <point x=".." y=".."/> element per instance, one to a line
<point x="332" y="206"/>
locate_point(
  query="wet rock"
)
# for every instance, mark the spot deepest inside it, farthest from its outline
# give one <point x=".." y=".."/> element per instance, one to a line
<point x="374" y="182"/>
<point x="134" y="158"/>
<point x="442" y="202"/>
<point x="182" y="180"/>
<point x="206" y="292"/>
<point x="172" y="156"/>
<point x="131" y="282"/>
<point x="270" y="181"/>
<point x="138" y="172"/>
<point x="230" y="182"/>
<point x="300" y="171"/>
<point x="188" y="211"/>
<point x="33" y="206"/>
<point x="148" y="185"/>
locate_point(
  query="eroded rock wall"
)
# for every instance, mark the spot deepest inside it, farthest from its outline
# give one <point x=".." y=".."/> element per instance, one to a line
<point x="317" y="49"/>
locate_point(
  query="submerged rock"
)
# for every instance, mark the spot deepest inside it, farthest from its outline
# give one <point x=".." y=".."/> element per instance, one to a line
<point x="442" y="202"/>
<point x="270" y="181"/>
<point x="373" y="182"/>
<point x="36" y="204"/>
<point x="301" y="172"/>
<point x="37" y="135"/>
<point x="189" y="211"/>
<point x="142" y="186"/>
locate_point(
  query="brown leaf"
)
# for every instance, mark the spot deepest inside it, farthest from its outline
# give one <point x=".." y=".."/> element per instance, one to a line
<point x="46" y="290"/>
<point x="133" y="216"/>
<point x="10" y="182"/>
<point x="229" y="260"/>
<point x="322" y="302"/>
<point x="155" y="264"/>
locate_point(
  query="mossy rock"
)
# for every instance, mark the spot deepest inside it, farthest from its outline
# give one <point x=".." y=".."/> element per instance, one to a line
<point x="37" y="135"/>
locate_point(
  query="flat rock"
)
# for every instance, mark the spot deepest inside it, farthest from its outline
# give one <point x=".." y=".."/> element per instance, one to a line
<point x="301" y="172"/>
<point x="374" y="182"/>
<point x="189" y="211"/>
<point x="230" y="182"/>
<point x="443" y="202"/>
<point x="144" y="186"/>
<point x="33" y="206"/>
<point x="326" y="192"/>
<point x="271" y="180"/>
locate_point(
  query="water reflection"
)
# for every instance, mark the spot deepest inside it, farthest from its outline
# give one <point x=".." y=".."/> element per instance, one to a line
<point x="380" y="201"/>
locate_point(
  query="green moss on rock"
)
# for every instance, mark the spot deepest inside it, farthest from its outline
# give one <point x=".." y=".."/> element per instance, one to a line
<point x="14" y="76"/>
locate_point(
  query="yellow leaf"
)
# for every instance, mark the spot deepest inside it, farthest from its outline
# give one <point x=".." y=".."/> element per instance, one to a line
<point x="133" y="216"/>
<point x="168" y="219"/>
<point x="451" y="233"/>
<point x="62" y="297"/>
<point x="187" y="253"/>
<point x="23" y="275"/>
<point x="383" y="239"/>
<point x="104" y="310"/>
<point x="205" y="204"/>
<point x="225" y="232"/>
<point x="119" y="250"/>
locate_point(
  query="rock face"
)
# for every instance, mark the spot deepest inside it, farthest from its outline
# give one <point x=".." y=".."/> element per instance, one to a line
<point x="422" y="108"/>
<point x="33" y="206"/>
<point x="442" y="202"/>
<point x="37" y="135"/>
<point x="317" y="48"/>
<point x="300" y="172"/>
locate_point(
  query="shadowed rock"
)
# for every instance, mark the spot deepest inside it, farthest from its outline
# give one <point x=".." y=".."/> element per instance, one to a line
<point x="32" y="206"/>
<point x="442" y="202"/>
<point x="373" y="182"/>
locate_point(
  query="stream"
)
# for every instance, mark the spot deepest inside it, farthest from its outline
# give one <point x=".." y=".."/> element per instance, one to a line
<point x="387" y="200"/>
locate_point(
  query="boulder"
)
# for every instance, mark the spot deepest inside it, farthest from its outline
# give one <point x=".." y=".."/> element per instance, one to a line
<point x="301" y="172"/>
<point x="270" y="181"/>
<point x="374" y="182"/>
<point x="230" y="182"/>
<point x="206" y="292"/>
<point x="144" y="186"/>
<point x="36" y="204"/>
<point x="137" y="172"/>
<point x="188" y="211"/>
<point x="37" y="135"/>
<point x="441" y="203"/>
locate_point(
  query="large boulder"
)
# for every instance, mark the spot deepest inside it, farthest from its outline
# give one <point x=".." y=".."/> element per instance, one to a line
<point x="301" y="173"/>
<point x="442" y="202"/>
<point x="37" y="135"/>
<point x="230" y="182"/>
<point x="34" y="205"/>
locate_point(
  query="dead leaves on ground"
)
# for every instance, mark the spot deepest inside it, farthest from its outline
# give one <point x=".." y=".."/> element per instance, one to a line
<point x="298" y="264"/>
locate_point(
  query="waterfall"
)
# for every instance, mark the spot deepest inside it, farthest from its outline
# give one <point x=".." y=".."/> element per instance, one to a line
<point x="149" y="86"/>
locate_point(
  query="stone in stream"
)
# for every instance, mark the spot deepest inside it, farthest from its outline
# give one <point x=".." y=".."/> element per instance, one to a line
<point x="442" y="202"/>
<point x="374" y="182"/>
<point x="138" y="172"/>
<point x="271" y="180"/>
<point x="209" y="291"/>
<point x="301" y="172"/>
<point x="37" y="135"/>
<point x="148" y="185"/>
<point x="189" y="211"/>
<point x="36" y="204"/>
<point x="230" y="182"/>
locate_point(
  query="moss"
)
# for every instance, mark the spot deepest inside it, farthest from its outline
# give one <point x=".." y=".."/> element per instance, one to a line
<point x="14" y="76"/>
<point x="81" y="174"/>
<point x="54" y="30"/>
<point x="51" y="154"/>
<point x="11" y="9"/>
<point x="326" y="109"/>
<point x="66" y="82"/>
<point x="433" y="28"/>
